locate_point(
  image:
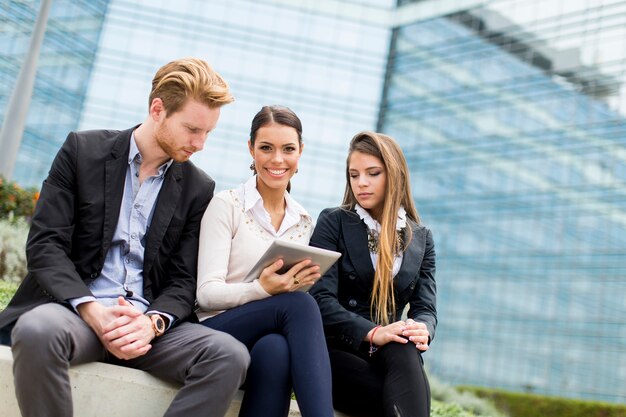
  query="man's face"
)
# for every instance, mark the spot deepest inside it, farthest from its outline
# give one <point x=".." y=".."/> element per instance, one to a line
<point x="183" y="133"/>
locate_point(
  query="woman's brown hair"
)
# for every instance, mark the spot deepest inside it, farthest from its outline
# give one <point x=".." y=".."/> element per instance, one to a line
<point x="397" y="194"/>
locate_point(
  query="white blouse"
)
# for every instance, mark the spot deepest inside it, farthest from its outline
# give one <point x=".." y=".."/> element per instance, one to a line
<point x="235" y="232"/>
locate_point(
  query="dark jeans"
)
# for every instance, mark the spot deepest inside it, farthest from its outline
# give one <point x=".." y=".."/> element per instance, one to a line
<point x="5" y="335"/>
<point x="390" y="383"/>
<point x="285" y="337"/>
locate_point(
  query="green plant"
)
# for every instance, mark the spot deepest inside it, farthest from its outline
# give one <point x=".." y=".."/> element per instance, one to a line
<point x="13" y="234"/>
<point x="533" y="405"/>
<point x="440" y="409"/>
<point x="15" y="201"/>
<point x="466" y="400"/>
<point x="7" y="289"/>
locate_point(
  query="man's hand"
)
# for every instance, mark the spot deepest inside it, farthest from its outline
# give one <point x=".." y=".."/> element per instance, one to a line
<point x="128" y="337"/>
<point x="123" y="329"/>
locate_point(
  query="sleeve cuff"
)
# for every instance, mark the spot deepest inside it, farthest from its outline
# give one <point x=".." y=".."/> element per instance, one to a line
<point x="171" y="319"/>
<point x="75" y="302"/>
<point x="260" y="290"/>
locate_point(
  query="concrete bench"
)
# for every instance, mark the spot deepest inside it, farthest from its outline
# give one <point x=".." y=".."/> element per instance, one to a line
<point x="100" y="389"/>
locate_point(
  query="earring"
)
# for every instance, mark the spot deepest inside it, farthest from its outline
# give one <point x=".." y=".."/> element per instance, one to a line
<point x="252" y="166"/>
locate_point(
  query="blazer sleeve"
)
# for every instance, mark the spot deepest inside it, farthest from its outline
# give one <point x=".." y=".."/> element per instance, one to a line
<point x="422" y="304"/>
<point x="346" y="326"/>
<point x="49" y="242"/>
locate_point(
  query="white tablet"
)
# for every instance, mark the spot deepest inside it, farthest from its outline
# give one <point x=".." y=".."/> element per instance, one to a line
<point x="292" y="253"/>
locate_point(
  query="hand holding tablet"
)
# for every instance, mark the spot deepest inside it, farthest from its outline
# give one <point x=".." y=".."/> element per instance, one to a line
<point x="292" y="253"/>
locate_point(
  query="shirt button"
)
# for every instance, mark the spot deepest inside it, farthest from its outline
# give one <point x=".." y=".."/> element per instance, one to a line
<point x="133" y="236"/>
<point x="352" y="302"/>
<point x="127" y="260"/>
<point x="352" y="276"/>
<point x="136" y="206"/>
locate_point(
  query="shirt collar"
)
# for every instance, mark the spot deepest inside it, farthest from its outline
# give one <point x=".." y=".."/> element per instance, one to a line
<point x="134" y="155"/>
<point x="373" y="224"/>
<point x="252" y="198"/>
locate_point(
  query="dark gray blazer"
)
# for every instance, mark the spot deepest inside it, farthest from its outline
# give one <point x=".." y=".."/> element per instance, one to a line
<point x="76" y="216"/>
<point x="344" y="292"/>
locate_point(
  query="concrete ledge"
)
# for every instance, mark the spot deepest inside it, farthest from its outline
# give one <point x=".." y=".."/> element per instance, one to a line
<point x="103" y="390"/>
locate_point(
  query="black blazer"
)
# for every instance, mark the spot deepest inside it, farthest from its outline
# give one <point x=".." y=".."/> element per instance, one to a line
<point x="344" y="292"/>
<point x="76" y="216"/>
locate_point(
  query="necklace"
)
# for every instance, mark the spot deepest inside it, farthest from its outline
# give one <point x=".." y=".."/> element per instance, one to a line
<point x="372" y="241"/>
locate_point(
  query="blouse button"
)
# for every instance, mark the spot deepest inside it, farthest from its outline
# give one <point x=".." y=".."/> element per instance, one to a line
<point x="352" y="302"/>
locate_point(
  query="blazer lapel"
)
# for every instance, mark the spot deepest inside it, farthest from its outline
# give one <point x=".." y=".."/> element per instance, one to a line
<point x="355" y="237"/>
<point x="163" y="212"/>
<point x="114" y="180"/>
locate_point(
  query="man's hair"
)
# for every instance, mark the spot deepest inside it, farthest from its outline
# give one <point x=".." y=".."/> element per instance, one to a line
<point x="185" y="78"/>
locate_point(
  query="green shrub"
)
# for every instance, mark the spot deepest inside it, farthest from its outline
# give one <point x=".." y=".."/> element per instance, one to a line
<point x="465" y="400"/>
<point x="15" y="201"/>
<point x="7" y="289"/>
<point x="533" y="405"/>
<point x="440" y="409"/>
<point x="13" y="234"/>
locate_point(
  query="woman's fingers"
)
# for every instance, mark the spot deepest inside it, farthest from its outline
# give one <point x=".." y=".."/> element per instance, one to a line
<point x="417" y="333"/>
<point x="303" y="274"/>
<point x="273" y="268"/>
<point x="298" y="268"/>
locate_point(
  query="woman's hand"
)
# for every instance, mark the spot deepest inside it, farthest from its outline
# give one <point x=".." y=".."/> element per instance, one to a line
<point x="401" y="332"/>
<point x="300" y="275"/>
<point x="385" y="334"/>
<point x="417" y="333"/>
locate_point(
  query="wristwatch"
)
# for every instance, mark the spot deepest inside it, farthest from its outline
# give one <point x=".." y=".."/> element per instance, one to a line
<point x="158" y="324"/>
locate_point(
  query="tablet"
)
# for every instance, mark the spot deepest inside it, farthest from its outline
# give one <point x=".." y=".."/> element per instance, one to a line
<point x="292" y="253"/>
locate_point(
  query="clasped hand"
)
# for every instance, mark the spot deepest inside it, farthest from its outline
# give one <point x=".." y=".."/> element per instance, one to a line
<point x="123" y="329"/>
<point x="300" y="275"/>
<point x="402" y="332"/>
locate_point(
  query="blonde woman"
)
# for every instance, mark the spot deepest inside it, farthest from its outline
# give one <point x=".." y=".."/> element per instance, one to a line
<point x="388" y="262"/>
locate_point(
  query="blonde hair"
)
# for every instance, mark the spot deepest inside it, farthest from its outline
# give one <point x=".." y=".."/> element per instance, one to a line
<point x="185" y="78"/>
<point x="397" y="193"/>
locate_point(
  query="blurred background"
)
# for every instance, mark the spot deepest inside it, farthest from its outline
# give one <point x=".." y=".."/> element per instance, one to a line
<point x="510" y="113"/>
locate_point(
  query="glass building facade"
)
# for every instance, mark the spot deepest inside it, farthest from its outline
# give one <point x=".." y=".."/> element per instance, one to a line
<point x="327" y="69"/>
<point x="516" y="141"/>
<point x="510" y="112"/>
<point x="65" y="63"/>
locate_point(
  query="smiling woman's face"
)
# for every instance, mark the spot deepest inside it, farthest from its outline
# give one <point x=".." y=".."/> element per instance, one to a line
<point x="276" y="153"/>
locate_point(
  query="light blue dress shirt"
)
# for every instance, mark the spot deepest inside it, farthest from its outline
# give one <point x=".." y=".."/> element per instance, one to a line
<point x="122" y="272"/>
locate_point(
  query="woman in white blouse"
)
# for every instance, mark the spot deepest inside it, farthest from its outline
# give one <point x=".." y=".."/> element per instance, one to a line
<point x="280" y="325"/>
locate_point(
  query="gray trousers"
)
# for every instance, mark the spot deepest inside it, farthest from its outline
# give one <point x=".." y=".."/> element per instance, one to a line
<point x="210" y="364"/>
